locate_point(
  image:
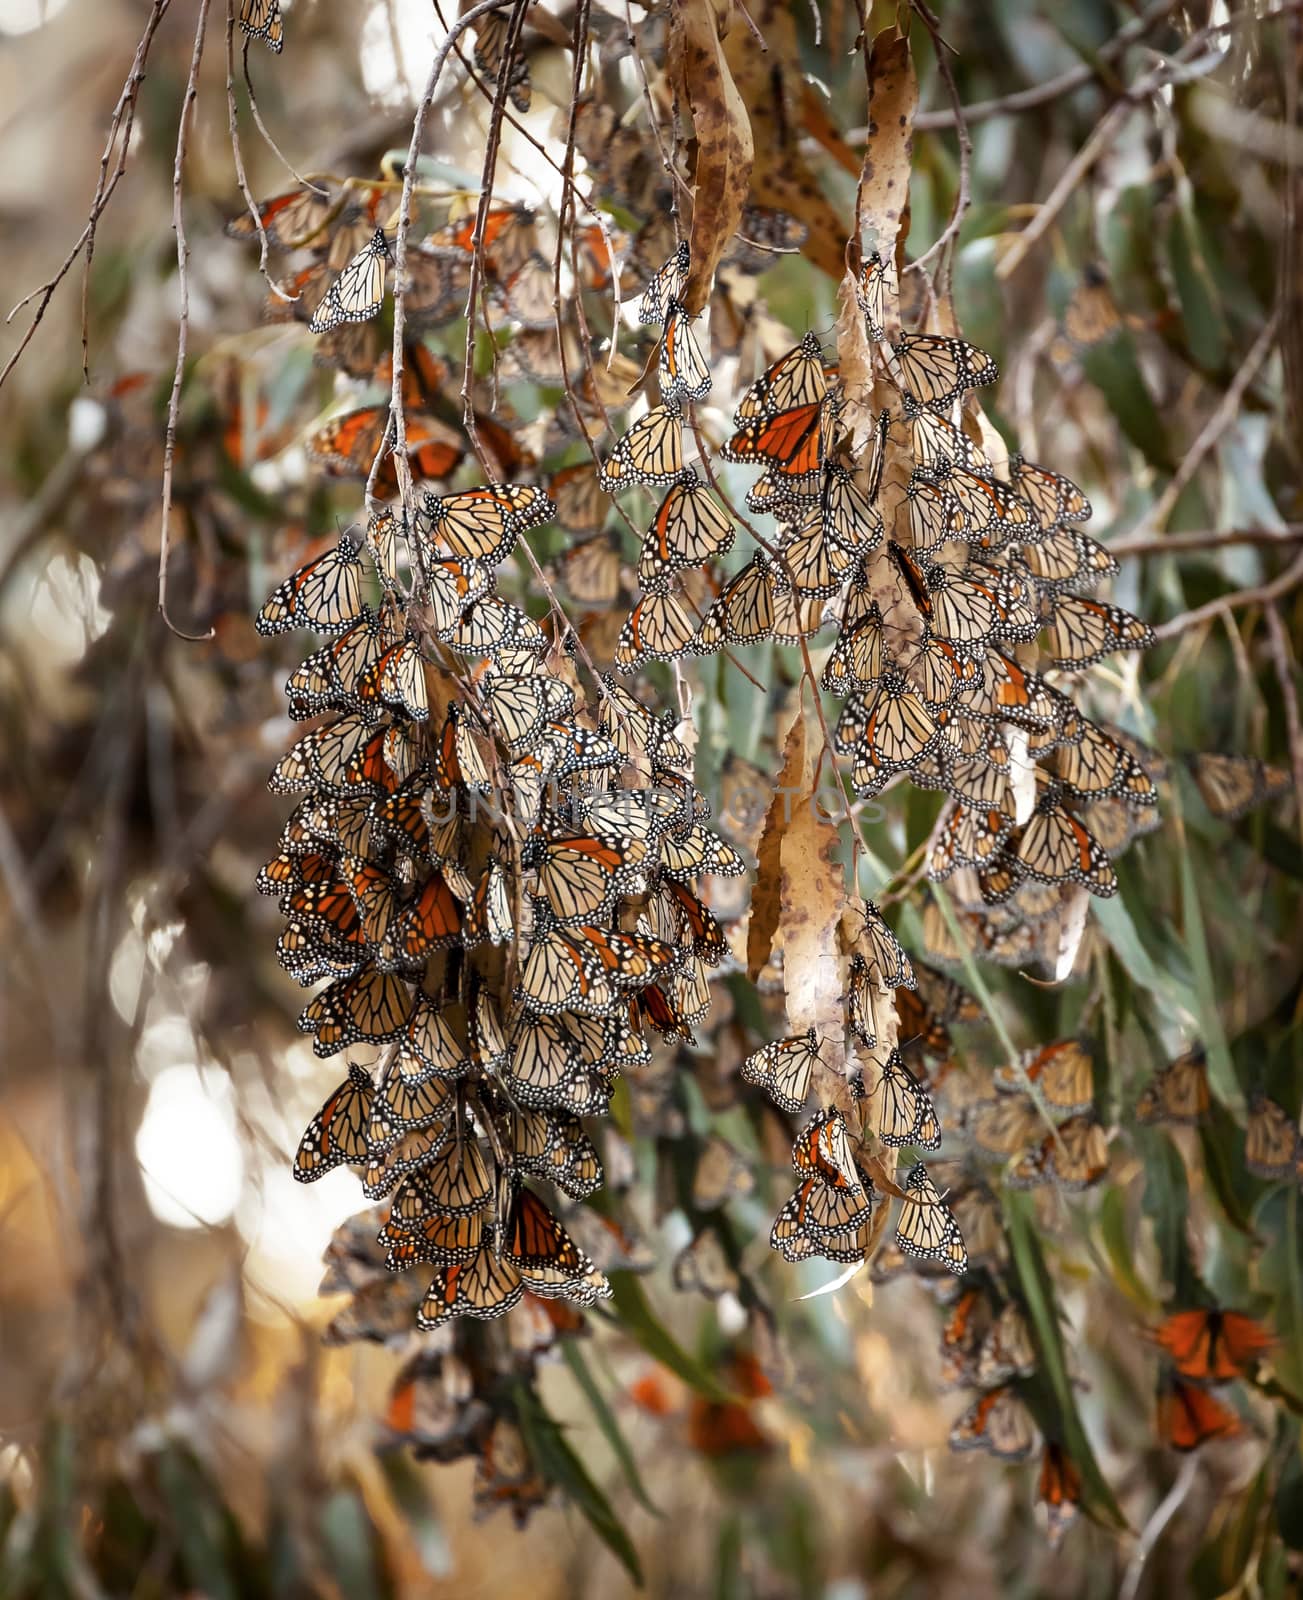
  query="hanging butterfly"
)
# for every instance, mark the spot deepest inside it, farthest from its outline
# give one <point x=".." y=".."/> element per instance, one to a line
<point x="1209" y="1346"/>
<point x="338" y="1131"/>
<point x="937" y="369"/>
<point x="326" y="595"/>
<point x="1083" y="632"/>
<point x="796" y="380"/>
<point x="485" y="523"/>
<point x="665" y="286"/>
<point x="1271" y="1140"/>
<point x="359" y="291"/>
<point x="261" y="19"/>
<point x="1063" y="1072"/>
<point x="688" y="530"/>
<point x="650" y="453"/>
<point x="783" y="1069"/>
<point x="1058" y="1489"/>
<point x="1074" y="1156"/>
<point x="875" y="289"/>
<point x="1178" y="1093"/>
<point x="926" y="1227"/>
<point x="1189" y="1416"/>
<point x="681" y="368"/>
<point x="901" y="1109"/>
<point x="657" y="629"/>
<point x="999" y="1423"/>
<point x="1232" y="786"/>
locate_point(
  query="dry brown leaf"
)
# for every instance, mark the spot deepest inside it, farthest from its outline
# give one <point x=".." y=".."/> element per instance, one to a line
<point x="766" y="897"/>
<point x="812" y="896"/>
<point x="882" y="201"/>
<point x="771" y="83"/>
<point x="724" y="143"/>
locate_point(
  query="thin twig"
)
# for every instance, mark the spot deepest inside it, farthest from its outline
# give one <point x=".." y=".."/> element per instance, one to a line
<point x="1283" y="661"/>
<point x="1222" y="418"/>
<point x="237" y="155"/>
<point x="1054" y="88"/>
<point x="1263" y="594"/>
<point x="120" y="128"/>
<point x="1173" y="544"/>
<point x="183" y="320"/>
<point x="943" y="247"/>
<point x="1163" y="1513"/>
<point x="492" y="146"/>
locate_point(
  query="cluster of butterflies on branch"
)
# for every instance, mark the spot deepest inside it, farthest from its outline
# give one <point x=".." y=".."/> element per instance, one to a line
<point x="496" y="857"/>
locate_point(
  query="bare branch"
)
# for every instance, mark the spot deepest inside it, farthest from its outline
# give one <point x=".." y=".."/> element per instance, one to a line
<point x="183" y="320"/>
<point x="1261" y="595"/>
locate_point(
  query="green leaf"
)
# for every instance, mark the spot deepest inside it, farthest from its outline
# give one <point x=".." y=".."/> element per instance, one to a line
<point x="559" y="1464"/>
<point x="1114" y="370"/>
<point x="196" y="1522"/>
<point x="1205" y="332"/>
<point x="639" y="1321"/>
<point x="350" y="1540"/>
<point x="606" y="1421"/>
<point x="1221" y="1072"/>
<point x="1038" y="1295"/>
<point x="1115" y="1232"/>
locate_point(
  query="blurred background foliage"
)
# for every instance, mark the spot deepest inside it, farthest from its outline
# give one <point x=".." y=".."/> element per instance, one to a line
<point x="169" y="1420"/>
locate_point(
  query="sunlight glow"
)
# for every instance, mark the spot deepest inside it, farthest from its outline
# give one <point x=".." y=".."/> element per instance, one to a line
<point x="189" y="1154"/>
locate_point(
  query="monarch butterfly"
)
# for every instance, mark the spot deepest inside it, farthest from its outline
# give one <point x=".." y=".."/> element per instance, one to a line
<point x="688" y="530"/>
<point x="993" y="512"/>
<point x="289" y="220"/>
<point x="405" y="1101"/>
<point x="961" y="1337"/>
<point x="856" y="661"/>
<point x="370" y="1007"/>
<point x="321" y="756"/>
<point x="935" y="442"/>
<point x="875" y="290"/>
<point x="1067" y="558"/>
<point x="551" y="1066"/>
<point x="999" y="1423"/>
<point x="521" y="708"/>
<point x="417" y="818"/>
<point x="702" y="1267"/>
<point x="762" y="233"/>
<point x="1093" y="766"/>
<point x="358" y="292"/>
<point x="326" y="595"/>
<point x="1054" y="498"/>
<point x="926" y="1227"/>
<point x="1003" y="1126"/>
<point x="581" y="506"/>
<point x="700" y="852"/>
<point x="338" y="1131"/>
<point x="348" y="445"/>
<point x="823" y="1149"/>
<point x="1058" y="1489"/>
<point x="396" y="678"/>
<point x="1018" y="617"/>
<point x="1271" y="1140"/>
<point x="782" y="1069"/>
<point x="581" y="968"/>
<point x="650" y="453"/>
<point x="641" y="813"/>
<point x="795" y="380"/>
<point x="793" y="444"/>
<point x="527" y="292"/>
<point x="938" y="671"/>
<point x="936" y="516"/>
<point x="820" y="1219"/>
<point x="552" y="1145"/>
<point x="937" y="369"/>
<point x="665" y="285"/>
<point x="592" y="570"/>
<point x="886" y="958"/>
<point x="956" y="609"/>
<point x="1232" y="786"/>
<point x="1074" y="1157"/>
<point x="743" y="612"/>
<point x="904" y="1113"/>
<point x="1090" y="316"/>
<point x="431" y="1038"/>
<point x="484" y="1287"/>
<point x="379" y="1310"/>
<point x="1189" y="1416"/>
<point x="1056" y="847"/>
<point x="1007" y="1350"/>
<point x="658" y="628"/>
<point x="886" y="735"/>
<point x="533" y="1239"/>
<point x="682" y="368"/>
<point x="435" y="1238"/>
<point x="485" y="523"/>
<point x="848" y="513"/>
<point x="261" y="19"/>
<point x="920" y="1023"/>
<point x="1085" y="631"/>
<point x="583" y="874"/>
<point x="1178" y="1092"/>
<point x="721" y="1174"/>
<point x="813" y="561"/>
<point x="861" y="997"/>
<point x="507" y="237"/>
<point x="431" y="922"/>
<point x="1063" y="1072"/>
<point x="1212" y="1346"/>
